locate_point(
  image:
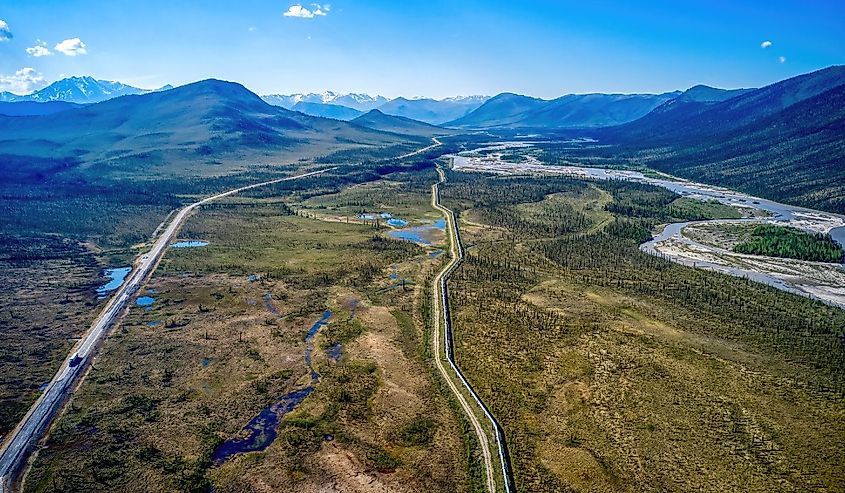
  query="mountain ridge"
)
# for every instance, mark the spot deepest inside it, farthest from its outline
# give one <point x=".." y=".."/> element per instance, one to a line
<point x="34" y="108"/>
<point x="378" y="120"/>
<point x="202" y="121"/>
<point x="359" y="102"/>
<point x="568" y="111"/>
<point x="693" y="118"/>
<point x="432" y="111"/>
<point x="783" y="141"/>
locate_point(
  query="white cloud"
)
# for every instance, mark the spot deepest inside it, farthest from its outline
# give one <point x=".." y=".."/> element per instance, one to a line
<point x="24" y="81"/>
<point x="40" y="49"/>
<point x="252" y="29"/>
<point x="71" y="47"/>
<point x="5" y="32"/>
<point x="782" y="59"/>
<point x="316" y="10"/>
<point x="765" y="44"/>
<point x="299" y="11"/>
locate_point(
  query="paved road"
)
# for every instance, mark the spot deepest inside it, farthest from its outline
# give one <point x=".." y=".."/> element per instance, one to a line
<point x="424" y="149"/>
<point x="19" y="443"/>
<point x="443" y="328"/>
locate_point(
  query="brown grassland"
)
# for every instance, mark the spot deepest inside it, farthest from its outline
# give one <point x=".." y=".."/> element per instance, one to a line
<point x="159" y="399"/>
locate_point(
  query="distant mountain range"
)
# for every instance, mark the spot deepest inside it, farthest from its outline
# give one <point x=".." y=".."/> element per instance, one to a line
<point x="360" y="102"/>
<point x="34" y="108"/>
<point x="785" y="141"/>
<point x="423" y="109"/>
<point x="570" y="111"/>
<point x="703" y="111"/>
<point x="79" y="90"/>
<point x="326" y="110"/>
<point x="506" y="110"/>
<point x="431" y="110"/>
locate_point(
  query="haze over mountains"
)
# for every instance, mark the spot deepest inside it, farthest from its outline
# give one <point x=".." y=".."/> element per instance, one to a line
<point x="360" y="102"/>
<point x="431" y="110"/>
<point x="330" y="104"/>
<point x="506" y="110"/>
<point x="570" y="111"/>
<point x="377" y="120"/>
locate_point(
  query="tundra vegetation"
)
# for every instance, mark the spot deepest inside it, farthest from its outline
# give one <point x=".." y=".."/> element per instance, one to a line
<point x="609" y="369"/>
<point x="225" y="338"/>
<point x="613" y="370"/>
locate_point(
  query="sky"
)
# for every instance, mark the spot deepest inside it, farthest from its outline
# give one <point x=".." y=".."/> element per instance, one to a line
<point x="434" y="48"/>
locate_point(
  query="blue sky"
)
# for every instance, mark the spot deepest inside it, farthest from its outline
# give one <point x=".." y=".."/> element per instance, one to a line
<point x="433" y="48"/>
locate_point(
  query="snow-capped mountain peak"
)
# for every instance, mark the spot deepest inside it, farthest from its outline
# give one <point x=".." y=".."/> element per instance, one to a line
<point x="467" y="99"/>
<point x="360" y="102"/>
<point x="80" y="89"/>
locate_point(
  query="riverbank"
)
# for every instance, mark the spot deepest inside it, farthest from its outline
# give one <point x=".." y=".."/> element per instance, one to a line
<point x="817" y="280"/>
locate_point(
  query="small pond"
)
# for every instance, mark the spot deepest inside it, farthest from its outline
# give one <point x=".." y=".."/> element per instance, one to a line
<point x="145" y="301"/>
<point x="423" y="235"/>
<point x="189" y="244"/>
<point x="116" y="277"/>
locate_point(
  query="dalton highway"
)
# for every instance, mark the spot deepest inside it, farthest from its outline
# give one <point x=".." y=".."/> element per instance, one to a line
<point x="498" y="476"/>
<point x="20" y="442"/>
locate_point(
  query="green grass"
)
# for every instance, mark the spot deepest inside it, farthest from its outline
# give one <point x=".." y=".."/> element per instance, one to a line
<point x="48" y="298"/>
<point x="406" y="199"/>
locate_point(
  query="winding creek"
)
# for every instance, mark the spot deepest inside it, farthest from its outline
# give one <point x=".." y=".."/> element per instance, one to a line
<point x="818" y="280"/>
<point x="262" y="430"/>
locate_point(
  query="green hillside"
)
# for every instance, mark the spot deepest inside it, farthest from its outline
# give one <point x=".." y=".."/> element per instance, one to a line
<point x="208" y="127"/>
<point x="570" y="111"/>
<point x="794" y="155"/>
<point x="783" y="141"/>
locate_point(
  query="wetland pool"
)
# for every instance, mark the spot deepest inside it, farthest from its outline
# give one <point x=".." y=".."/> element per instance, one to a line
<point x="261" y="431"/>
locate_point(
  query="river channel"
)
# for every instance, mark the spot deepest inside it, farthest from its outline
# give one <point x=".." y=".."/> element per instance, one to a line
<point x="817" y="280"/>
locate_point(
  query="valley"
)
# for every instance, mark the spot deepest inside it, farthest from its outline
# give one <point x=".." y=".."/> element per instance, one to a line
<point x="208" y="290"/>
<point x="232" y="334"/>
<point x="631" y="356"/>
<point x="818" y="280"/>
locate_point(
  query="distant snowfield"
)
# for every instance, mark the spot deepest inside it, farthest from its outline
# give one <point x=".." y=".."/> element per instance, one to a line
<point x="817" y="280"/>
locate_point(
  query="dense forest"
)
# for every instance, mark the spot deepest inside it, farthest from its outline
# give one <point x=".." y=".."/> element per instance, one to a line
<point x="781" y="241"/>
